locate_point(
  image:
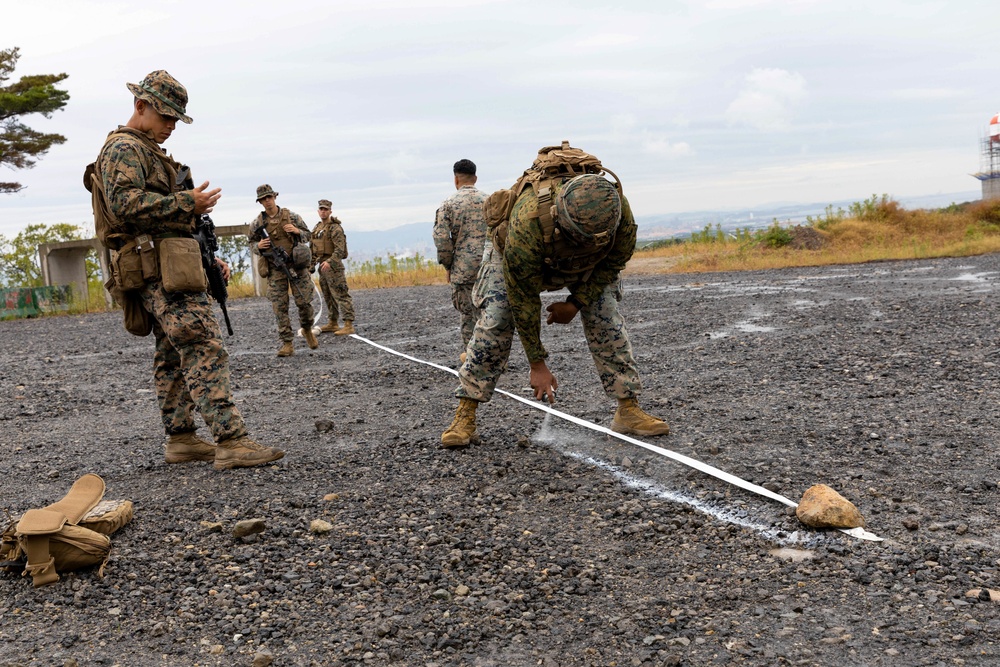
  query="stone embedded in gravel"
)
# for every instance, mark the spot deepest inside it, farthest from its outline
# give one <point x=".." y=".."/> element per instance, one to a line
<point x="911" y="524"/>
<point x="262" y="660"/>
<point x="462" y="590"/>
<point x="320" y="527"/>
<point x="324" y="425"/>
<point x="990" y="594"/>
<point x="822" y="507"/>
<point x="211" y="526"/>
<point x="332" y="496"/>
<point x="249" y="527"/>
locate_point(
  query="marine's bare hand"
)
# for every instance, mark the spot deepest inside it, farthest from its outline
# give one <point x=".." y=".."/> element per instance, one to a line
<point x="204" y="199"/>
<point x="292" y="229"/>
<point x="264" y="243"/>
<point x="543" y="382"/>
<point x="224" y="268"/>
<point x="561" y="312"/>
<point x="324" y="267"/>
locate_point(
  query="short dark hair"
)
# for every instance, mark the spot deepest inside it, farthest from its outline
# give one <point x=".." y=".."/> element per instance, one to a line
<point x="467" y="167"/>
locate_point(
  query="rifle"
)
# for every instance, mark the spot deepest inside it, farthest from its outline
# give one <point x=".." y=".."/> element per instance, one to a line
<point x="208" y="242"/>
<point x="277" y="255"/>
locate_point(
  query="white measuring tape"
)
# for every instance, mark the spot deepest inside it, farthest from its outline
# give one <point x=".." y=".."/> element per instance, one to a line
<point x="859" y="533"/>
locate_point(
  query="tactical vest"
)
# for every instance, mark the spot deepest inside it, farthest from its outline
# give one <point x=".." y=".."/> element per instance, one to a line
<point x="564" y="262"/>
<point x="276" y="229"/>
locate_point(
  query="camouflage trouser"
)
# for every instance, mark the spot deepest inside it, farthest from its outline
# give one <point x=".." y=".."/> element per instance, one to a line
<point x="489" y="350"/>
<point x="461" y="298"/>
<point x="191" y="365"/>
<point x="277" y="292"/>
<point x="333" y="283"/>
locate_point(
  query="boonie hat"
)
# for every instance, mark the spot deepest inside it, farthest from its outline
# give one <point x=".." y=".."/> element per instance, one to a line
<point x="164" y="92"/>
<point x="589" y="209"/>
<point x="265" y="190"/>
<point x="325" y="203"/>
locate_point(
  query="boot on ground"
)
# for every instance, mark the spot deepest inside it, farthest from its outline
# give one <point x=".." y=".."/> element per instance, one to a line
<point x="631" y="420"/>
<point x="329" y="327"/>
<point x="185" y="447"/>
<point x="286" y="349"/>
<point x="345" y="330"/>
<point x="243" y="452"/>
<point x="307" y="333"/>
<point x="462" y="431"/>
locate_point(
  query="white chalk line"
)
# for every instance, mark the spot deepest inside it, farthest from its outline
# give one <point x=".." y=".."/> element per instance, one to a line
<point x="712" y="471"/>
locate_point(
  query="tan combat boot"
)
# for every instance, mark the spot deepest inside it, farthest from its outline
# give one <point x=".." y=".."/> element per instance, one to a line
<point x="286" y="349"/>
<point x="329" y="327"/>
<point x="631" y="420"/>
<point x="307" y="333"/>
<point x="243" y="452"/>
<point x="462" y="431"/>
<point x="345" y="330"/>
<point x="185" y="447"/>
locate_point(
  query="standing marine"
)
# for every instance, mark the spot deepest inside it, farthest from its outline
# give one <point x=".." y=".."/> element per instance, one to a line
<point x="329" y="250"/>
<point x="460" y="237"/>
<point x="280" y="239"/>
<point x="563" y="225"/>
<point x="146" y="219"/>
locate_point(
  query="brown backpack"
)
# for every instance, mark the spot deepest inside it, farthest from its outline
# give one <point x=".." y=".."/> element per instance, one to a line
<point x="553" y="166"/>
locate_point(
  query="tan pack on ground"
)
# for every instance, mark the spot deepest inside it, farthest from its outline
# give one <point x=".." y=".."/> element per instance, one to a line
<point x="67" y="535"/>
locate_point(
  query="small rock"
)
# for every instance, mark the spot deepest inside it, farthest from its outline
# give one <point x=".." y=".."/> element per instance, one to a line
<point x="324" y="425"/>
<point x="218" y="649"/>
<point x="53" y="474"/>
<point x="961" y="529"/>
<point x="320" y="527"/>
<point x="984" y="594"/>
<point x="262" y="660"/>
<point x="462" y="590"/>
<point x="249" y="527"/>
<point x="332" y="496"/>
<point x="822" y="507"/>
<point x="911" y="524"/>
<point x="441" y="594"/>
<point x="211" y="526"/>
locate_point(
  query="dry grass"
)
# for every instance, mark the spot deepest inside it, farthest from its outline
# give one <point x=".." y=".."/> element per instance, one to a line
<point x="874" y="230"/>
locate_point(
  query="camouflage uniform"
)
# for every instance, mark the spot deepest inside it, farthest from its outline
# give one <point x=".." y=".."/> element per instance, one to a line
<point x="508" y="288"/>
<point x="459" y="235"/>
<point x="191" y="364"/>
<point x="278" y="283"/>
<point x="329" y="244"/>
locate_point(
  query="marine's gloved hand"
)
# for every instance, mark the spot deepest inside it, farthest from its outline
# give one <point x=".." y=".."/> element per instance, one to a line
<point x="543" y="382"/>
<point x="561" y="312"/>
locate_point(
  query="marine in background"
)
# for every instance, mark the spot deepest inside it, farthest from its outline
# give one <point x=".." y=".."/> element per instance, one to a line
<point x="329" y="250"/>
<point x="564" y="225"/>
<point x="460" y="237"/>
<point x="285" y="259"/>
<point x="146" y="221"/>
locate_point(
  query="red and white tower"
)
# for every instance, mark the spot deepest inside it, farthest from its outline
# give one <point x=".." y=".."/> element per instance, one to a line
<point x="989" y="169"/>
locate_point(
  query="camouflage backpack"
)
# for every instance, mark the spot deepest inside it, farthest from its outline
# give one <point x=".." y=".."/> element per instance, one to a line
<point x="569" y="256"/>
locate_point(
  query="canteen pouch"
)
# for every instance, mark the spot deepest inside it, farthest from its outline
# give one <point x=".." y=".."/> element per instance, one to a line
<point x="126" y="265"/>
<point x="301" y="256"/>
<point x="262" y="267"/>
<point x="180" y="265"/>
<point x="138" y="320"/>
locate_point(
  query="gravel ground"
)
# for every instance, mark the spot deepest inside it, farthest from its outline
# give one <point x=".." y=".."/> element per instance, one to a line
<point x="548" y="544"/>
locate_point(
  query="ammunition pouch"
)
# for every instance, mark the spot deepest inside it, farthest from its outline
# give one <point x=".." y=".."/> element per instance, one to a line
<point x="126" y="267"/>
<point x="180" y="265"/>
<point x="263" y="267"/>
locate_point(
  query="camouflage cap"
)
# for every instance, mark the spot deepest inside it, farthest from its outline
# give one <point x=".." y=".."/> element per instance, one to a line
<point x="325" y="203"/>
<point x="265" y="190"/>
<point x="589" y="209"/>
<point x="164" y="92"/>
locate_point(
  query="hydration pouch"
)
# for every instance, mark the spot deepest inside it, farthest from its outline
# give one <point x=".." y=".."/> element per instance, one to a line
<point x="180" y="265"/>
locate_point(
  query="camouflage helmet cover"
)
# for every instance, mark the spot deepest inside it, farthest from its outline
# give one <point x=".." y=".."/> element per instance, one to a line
<point x="264" y="191"/>
<point x="325" y="203"/>
<point x="164" y="92"/>
<point x="588" y="209"/>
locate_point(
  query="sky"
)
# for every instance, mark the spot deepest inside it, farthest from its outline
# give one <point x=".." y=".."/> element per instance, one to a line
<point x="720" y="104"/>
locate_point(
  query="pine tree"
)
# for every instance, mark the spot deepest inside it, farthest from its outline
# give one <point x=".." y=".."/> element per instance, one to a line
<point x="19" y="144"/>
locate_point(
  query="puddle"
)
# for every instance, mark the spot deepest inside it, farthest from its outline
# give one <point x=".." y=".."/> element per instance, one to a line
<point x="973" y="277"/>
<point x="791" y="554"/>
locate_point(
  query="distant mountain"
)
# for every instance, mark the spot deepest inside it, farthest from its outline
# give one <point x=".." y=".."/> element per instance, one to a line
<point x="416" y="238"/>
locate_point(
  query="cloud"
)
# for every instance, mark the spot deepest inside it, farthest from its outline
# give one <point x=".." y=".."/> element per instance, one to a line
<point x="661" y="146"/>
<point x="768" y="99"/>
